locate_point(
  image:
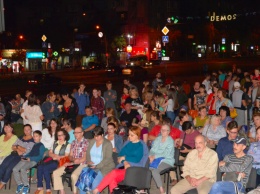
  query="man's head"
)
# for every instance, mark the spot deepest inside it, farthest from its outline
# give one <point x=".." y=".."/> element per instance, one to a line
<point x="88" y="111"/>
<point x="158" y="75"/>
<point x="232" y="130"/>
<point x="239" y="145"/>
<point x="128" y="107"/>
<point x="78" y="133"/>
<point x="196" y="86"/>
<point x="200" y="143"/>
<point x="82" y="87"/>
<point x="126" y="81"/>
<point x="109" y="85"/>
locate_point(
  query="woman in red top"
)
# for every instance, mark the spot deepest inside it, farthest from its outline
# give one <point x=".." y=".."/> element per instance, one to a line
<point x="226" y="82"/>
<point x="211" y="99"/>
<point x="97" y="104"/>
<point x="124" y="96"/>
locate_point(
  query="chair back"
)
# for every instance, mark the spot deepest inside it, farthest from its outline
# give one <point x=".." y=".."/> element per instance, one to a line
<point x="138" y="177"/>
<point x="251" y="184"/>
<point x="176" y="155"/>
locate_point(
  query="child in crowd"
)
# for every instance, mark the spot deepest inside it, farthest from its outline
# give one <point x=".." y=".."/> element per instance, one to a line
<point x="27" y="162"/>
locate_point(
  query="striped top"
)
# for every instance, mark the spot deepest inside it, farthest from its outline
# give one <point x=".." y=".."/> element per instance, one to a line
<point x="234" y="164"/>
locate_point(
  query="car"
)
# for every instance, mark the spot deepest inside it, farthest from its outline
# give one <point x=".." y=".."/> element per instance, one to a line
<point x="67" y="66"/>
<point x="133" y="71"/>
<point x="44" y="79"/>
<point x="113" y="70"/>
<point x="153" y="62"/>
<point x="95" y="66"/>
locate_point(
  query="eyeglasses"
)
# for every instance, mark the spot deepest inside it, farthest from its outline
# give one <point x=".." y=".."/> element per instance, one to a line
<point x="60" y="135"/>
<point x="77" y="132"/>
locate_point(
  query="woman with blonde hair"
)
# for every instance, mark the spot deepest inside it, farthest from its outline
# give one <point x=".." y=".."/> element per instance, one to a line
<point x="109" y="112"/>
<point x="148" y="98"/>
<point x="214" y="131"/>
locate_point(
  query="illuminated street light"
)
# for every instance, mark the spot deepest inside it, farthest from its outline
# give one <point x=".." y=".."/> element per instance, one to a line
<point x="97" y="27"/>
<point x="21" y="37"/>
<point x="129" y="36"/>
<point x="100" y="35"/>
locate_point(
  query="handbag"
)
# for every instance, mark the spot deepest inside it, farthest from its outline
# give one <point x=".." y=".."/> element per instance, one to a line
<point x="193" y="113"/>
<point x="230" y="176"/>
<point x="70" y="169"/>
<point x="46" y="160"/>
<point x="64" y="160"/>
<point x="123" y="189"/>
<point x="88" y="179"/>
<point x="156" y="162"/>
<point x="233" y="113"/>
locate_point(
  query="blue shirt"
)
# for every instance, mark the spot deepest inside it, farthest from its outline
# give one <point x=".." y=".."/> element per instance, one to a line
<point x="225" y="147"/>
<point x="133" y="152"/>
<point x="96" y="154"/>
<point x="87" y="121"/>
<point x="82" y="101"/>
<point x="72" y="137"/>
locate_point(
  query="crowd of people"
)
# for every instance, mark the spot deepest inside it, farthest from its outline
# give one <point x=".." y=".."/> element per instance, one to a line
<point x="97" y="137"/>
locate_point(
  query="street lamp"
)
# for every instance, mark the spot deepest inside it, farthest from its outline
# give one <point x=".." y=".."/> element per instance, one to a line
<point x="129" y="36"/>
<point x="100" y="35"/>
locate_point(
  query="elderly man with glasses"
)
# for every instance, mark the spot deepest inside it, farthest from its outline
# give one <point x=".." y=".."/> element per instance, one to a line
<point x="77" y="161"/>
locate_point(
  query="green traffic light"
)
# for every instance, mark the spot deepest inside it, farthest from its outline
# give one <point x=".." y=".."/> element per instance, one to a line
<point x="223" y="48"/>
<point x="172" y="18"/>
<point x="43" y="55"/>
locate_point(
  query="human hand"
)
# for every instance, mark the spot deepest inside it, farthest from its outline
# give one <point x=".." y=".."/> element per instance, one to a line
<point x="126" y="164"/>
<point x="222" y="163"/>
<point x="151" y="158"/>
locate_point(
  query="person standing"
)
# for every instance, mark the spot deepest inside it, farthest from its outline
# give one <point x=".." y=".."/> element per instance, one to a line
<point x="238" y="98"/>
<point x="97" y="104"/>
<point x="33" y="113"/>
<point x="110" y="97"/>
<point x="82" y="99"/>
<point x="156" y="81"/>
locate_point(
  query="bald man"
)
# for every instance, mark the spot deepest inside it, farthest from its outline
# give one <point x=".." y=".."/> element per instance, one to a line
<point x="199" y="170"/>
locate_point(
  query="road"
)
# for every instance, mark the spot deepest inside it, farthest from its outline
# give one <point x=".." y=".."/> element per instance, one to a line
<point x="177" y="71"/>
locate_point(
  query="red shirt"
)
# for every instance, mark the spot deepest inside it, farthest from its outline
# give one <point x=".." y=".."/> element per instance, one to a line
<point x="155" y="130"/>
<point x="175" y="133"/>
<point x="225" y="85"/>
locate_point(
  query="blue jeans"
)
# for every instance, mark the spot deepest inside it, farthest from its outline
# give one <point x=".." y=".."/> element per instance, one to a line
<point x="226" y="187"/>
<point x="44" y="171"/>
<point x="7" y="166"/>
<point x="170" y="115"/>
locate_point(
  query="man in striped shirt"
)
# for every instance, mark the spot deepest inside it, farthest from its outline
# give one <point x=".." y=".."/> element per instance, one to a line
<point x="238" y="162"/>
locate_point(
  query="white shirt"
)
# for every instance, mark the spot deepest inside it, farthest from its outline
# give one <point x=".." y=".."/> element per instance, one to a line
<point x="47" y="140"/>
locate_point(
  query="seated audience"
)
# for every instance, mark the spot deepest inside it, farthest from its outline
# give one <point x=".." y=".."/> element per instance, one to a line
<point x="252" y="132"/>
<point x="224" y="113"/>
<point x="99" y="155"/>
<point x="20" y="148"/>
<point x="163" y="150"/>
<point x="134" y="153"/>
<point x="28" y="161"/>
<point x="225" y="144"/>
<point x="199" y="170"/>
<point x="155" y="118"/>
<point x="254" y="150"/>
<point x="48" y="134"/>
<point x="201" y="120"/>
<point x="109" y="112"/>
<point x="68" y="128"/>
<point x="59" y="150"/>
<point x="214" y="131"/>
<point x="6" y="141"/>
<point x="240" y="163"/>
<point x="77" y="157"/>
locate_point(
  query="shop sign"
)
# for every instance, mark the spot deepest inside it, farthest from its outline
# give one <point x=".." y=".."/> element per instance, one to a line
<point x="219" y="18"/>
<point x="34" y="55"/>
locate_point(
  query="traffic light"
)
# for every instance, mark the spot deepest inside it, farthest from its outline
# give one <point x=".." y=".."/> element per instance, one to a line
<point x="43" y="55"/>
<point x="223" y="48"/>
<point x="172" y="20"/>
<point x="163" y="52"/>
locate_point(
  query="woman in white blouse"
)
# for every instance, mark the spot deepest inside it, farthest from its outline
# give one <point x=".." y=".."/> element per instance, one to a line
<point x="48" y="134"/>
<point x="33" y="113"/>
